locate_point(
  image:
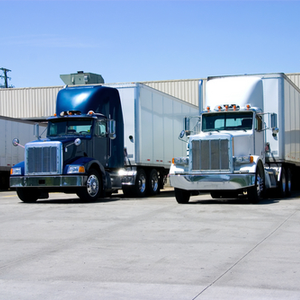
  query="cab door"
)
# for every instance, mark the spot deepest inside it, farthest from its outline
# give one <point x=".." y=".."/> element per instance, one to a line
<point x="101" y="142"/>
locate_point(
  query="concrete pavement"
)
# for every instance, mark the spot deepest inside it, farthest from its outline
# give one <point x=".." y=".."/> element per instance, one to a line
<point x="151" y="248"/>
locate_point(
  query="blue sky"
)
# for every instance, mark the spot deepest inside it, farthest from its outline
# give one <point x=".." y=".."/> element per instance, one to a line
<point x="128" y="41"/>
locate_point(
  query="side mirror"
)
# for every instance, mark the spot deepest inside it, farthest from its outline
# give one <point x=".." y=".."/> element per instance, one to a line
<point x="112" y="129"/>
<point x="275" y="130"/>
<point x="77" y="142"/>
<point x="186" y="125"/>
<point x="15" y="142"/>
<point x="182" y="133"/>
<point x="273" y="120"/>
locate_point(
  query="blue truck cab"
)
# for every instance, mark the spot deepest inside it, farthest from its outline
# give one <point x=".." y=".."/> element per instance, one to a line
<point x="83" y="152"/>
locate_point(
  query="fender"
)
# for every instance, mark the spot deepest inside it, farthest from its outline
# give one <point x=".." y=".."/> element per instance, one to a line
<point x="251" y="168"/>
<point x="88" y="163"/>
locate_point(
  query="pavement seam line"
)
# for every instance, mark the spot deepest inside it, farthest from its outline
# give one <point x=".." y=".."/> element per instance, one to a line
<point x="251" y="250"/>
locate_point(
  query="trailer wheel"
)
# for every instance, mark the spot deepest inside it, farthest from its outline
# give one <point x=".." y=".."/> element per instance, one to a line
<point x="283" y="184"/>
<point x="28" y="195"/>
<point x="153" y="182"/>
<point x="255" y="193"/>
<point x="140" y="186"/>
<point x="93" y="187"/>
<point x="288" y="181"/>
<point x="182" y="196"/>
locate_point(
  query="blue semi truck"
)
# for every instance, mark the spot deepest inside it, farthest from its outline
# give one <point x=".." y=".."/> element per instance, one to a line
<point x="98" y="143"/>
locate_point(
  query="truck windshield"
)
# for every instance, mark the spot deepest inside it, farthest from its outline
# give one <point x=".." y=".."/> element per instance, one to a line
<point x="69" y="127"/>
<point x="227" y="121"/>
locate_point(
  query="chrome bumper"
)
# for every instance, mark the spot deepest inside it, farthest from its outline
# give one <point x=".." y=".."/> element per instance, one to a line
<point x="47" y="181"/>
<point x="211" y="182"/>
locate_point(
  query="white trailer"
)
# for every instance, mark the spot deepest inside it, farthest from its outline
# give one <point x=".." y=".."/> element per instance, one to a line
<point x="151" y="121"/>
<point x="248" y="142"/>
<point x="10" y="155"/>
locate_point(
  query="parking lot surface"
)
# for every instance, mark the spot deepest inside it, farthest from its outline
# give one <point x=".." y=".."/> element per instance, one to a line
<point x="149" y="248"/>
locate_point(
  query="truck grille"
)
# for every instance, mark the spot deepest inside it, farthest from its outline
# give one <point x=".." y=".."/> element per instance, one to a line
<point x="212" y="154"/>
<point x="43" y="158"/>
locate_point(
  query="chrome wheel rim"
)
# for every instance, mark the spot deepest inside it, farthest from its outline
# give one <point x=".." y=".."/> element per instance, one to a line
<point x="259" y="185"/>
<point x="142" y="183"/>
<point x="154" y="182"/>
<point x="92" y="185"/>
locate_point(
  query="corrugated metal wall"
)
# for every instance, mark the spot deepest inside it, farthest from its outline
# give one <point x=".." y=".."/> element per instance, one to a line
<point x="28" y="102"/>
<point x="187" y="90"/>
<point x="295" y="78"/>
<point x="40" y="102"/>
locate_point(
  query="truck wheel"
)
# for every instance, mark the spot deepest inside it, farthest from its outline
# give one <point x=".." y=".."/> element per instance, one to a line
<point x="28" y="195"/>
<point x="283" y="184"/>
<point x="93" y="187"/>
<point x="140" y="184"/>
<point x="288" y="181"/>
<point x="153" y="182"/>
<point x="182" y="196"/>
<point x="255" y="193"/>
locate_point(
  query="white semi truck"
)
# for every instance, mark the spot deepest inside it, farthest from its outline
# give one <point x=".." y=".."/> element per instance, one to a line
<point x="245" y="141"/>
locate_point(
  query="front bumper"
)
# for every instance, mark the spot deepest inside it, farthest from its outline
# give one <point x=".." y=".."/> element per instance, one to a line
<point x="212" y="182"/>
<point x="48" y="181"/>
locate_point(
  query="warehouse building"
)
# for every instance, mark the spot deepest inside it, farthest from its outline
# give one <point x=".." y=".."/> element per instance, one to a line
<point x="37" y="102"/>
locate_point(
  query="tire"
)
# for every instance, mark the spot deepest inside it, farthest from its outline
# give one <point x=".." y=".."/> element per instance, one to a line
<point x="93" y="188"/>
<point x="182" y="196"/>
<point x="283" y="184"/>
<point x="153" y="183"/>
<point x="288" y="173"/>
<point x="140" y="187"/>
<point x="256" y="193"/>
<point x="28" y="195"/>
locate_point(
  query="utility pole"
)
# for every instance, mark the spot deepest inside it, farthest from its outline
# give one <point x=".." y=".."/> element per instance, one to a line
<point x="5" y="76"/>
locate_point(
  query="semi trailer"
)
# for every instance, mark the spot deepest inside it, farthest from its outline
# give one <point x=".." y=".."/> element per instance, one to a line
<point x="103" y="138"/>
<point x="246" y="140"/>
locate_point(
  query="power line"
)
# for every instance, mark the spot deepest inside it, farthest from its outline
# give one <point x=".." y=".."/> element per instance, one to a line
<point x="5" y="71"/>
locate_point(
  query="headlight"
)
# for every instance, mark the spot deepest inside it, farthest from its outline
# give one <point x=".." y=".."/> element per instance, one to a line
<point x="244" y="159"/>
<point x="72" y="169"/>
<point x="15" y="171"/>
<point x="180" y="161"/>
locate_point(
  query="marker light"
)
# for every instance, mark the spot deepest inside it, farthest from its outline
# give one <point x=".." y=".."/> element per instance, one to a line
<point x="226" y="107"/>
<point x="234" y="107"/>
<point x="219" y="107"/>
<point x="248" y="106"/>
<point x="91" y="112"/>
<point x="208" y="108"/>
